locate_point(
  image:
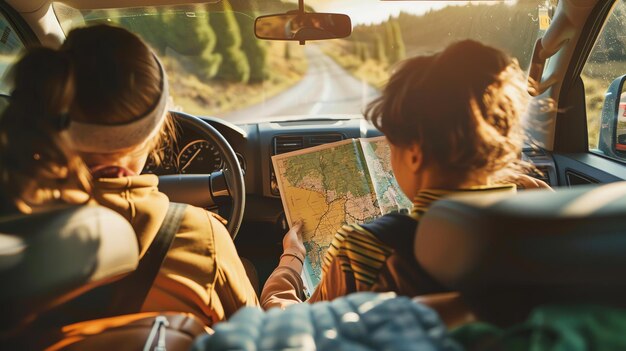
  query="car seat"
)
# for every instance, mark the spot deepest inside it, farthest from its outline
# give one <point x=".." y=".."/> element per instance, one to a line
<point x="51" y="257"/>
<point x="507" y="254"/>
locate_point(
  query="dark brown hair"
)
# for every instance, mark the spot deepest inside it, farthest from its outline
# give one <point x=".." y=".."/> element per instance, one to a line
<point x="117" y="80"/>
<point x="36" y="160"/>
<point x="101" y="75"/>
<point x="462" y="107"/>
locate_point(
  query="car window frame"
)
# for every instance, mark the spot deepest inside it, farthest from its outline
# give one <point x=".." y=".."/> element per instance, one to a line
<point x="21" y="29"/>
<point x="597" y="152"/>
<point x="572" y="79"/>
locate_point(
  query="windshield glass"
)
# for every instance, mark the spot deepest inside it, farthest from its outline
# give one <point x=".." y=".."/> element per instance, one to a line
<point x="217" y="67"/>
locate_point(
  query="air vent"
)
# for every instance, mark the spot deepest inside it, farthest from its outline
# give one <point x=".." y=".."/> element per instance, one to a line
<point x="533" y="151"/>
<point x="324" y="139"/>
<point x="287" y="143"/>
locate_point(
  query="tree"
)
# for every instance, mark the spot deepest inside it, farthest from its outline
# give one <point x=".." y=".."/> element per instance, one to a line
<point x="399" y="49"/>
<point x="611" y="46"/>
<point x="361" y="51"/>
<point x="192" y="37"/>
<point x="379" y="49"/>
<point x="148" y="26"/>
<point x="187" y="35"/>
<point x="287" y="54"/>
<point x="235" y="66"/>
<point x="356" y="47"/>
<point x="254" y="49"/>
<point x="365" y="52"/>
<point x="389" y="41"/>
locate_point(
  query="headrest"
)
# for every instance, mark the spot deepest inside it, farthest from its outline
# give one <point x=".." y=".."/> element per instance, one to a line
<point x="564" y="246"/>
<point x="46" y="256"/>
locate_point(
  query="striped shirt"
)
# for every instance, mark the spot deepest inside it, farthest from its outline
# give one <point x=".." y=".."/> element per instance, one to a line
<point x="361" y="254"/>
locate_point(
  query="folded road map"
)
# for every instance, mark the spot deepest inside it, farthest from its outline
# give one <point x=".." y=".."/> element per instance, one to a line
<point x="348" y="181"/>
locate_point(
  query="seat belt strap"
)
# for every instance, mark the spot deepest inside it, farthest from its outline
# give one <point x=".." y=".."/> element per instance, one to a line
<point x="137" y="287"/>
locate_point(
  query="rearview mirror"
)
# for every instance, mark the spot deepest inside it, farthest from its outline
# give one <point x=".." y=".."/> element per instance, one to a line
<point x="613" y="127"/>
<point x="303" y="26"/>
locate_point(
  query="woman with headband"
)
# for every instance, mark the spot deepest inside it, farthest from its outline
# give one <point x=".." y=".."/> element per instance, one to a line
<point x="114" y="110"/>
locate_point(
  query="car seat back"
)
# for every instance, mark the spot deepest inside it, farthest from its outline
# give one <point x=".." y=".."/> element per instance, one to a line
<point x="50" y="257"/>
<point x="509" y="253"/>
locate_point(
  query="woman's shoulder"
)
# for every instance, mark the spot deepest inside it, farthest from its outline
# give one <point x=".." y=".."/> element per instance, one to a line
<point x="395" y="222"/>
<point x="198" y="217"/>
<point x="203" y="223"/>
<point x="391" y="230"/>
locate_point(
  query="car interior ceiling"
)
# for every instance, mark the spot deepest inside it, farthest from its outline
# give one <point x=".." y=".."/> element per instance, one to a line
<point x="559" y="148"/>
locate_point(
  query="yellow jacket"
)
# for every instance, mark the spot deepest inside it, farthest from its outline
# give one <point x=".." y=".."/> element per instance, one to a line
<point x="202" y="272"/>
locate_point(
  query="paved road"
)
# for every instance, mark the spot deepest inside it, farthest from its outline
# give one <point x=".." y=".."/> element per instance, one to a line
<point x="326" y="88"/>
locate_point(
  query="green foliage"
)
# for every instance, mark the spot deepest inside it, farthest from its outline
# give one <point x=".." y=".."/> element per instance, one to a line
<point x="235" y="66"/>
<point x="612" y="43"/>
<point x="186" y="35"/>
<point x="214" y="41"/>
<point x="380" y="52"/>
<point x="193" y="37"/>
<point x="365" y="52"/>
<point x="500" y="25"/>
<point x="287" y="54"/>
<point x="149" y="27"/>
<point x="254" y="49"/>
<point x="398" y="49"/>
<point x="389" y="41"/>
<point x="361" y="51"/>
<point x="358" y="49"/>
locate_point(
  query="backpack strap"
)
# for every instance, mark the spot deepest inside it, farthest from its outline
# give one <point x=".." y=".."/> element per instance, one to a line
<point x="136" y="287"/>
<point x="395" y="230"/>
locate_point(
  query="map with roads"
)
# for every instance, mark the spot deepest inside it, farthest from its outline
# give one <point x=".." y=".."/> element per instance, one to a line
<point x="346" y="182"/>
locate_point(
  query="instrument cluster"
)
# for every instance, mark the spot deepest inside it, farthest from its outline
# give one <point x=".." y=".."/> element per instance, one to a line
<point x="195" y="157"/>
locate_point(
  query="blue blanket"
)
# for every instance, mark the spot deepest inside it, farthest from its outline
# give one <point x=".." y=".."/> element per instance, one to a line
<point x="358" y="322"/>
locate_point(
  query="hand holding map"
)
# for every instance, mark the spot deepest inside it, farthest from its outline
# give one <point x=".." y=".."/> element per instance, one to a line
<point x="293" y="242"/>
<point x="349" y="181"/>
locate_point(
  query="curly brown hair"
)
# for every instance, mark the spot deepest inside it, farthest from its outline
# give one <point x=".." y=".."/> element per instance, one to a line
<point x="461" y="106"/>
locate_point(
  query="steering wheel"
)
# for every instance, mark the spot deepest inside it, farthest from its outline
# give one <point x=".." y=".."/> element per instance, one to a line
<point x="207" y="190"/>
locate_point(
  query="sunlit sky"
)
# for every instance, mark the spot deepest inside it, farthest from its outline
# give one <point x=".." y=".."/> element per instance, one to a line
<point x="375" y="11"/>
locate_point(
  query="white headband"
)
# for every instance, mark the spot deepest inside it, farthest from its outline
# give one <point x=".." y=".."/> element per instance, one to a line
<point x="102" y="138"/>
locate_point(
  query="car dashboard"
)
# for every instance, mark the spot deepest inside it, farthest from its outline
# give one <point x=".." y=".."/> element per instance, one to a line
<point x="256" y="143"/>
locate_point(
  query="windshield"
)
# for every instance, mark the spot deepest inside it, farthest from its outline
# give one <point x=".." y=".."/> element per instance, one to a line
<point x="217" y="67"/>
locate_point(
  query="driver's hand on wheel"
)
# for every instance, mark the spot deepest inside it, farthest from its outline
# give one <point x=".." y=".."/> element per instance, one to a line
<point x="293" y="247"/>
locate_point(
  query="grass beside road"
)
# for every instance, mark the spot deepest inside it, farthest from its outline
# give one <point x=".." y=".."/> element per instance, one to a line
<point x="371" y="71"/>
<point x="594" y="95"/>
<point x="206" y="98"/>
<point x="597" y="76"/>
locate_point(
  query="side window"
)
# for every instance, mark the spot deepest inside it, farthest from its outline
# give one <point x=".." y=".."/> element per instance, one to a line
<point x="11" y="47"/>
<point x="606" y="63"/>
